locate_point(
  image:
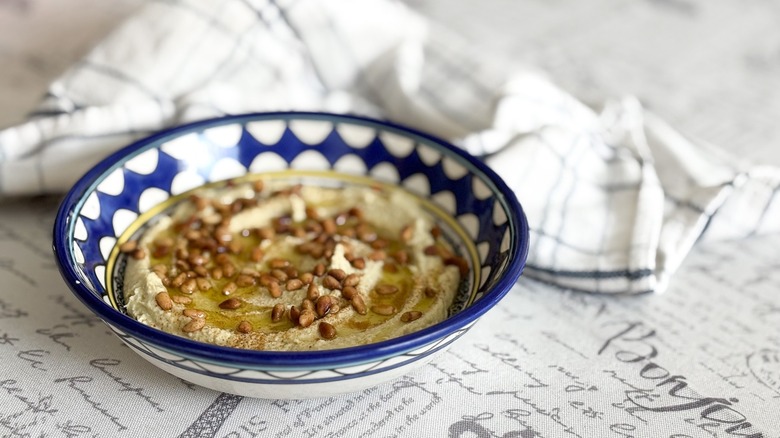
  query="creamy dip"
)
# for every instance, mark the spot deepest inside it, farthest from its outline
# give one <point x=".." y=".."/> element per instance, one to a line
<point x="272" y="266"/>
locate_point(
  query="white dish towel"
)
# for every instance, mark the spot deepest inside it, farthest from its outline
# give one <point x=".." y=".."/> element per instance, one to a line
<point x="615" y="200"/>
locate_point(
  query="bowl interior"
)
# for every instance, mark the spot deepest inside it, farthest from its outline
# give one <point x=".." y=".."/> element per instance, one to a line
<point x="484" y="220"/>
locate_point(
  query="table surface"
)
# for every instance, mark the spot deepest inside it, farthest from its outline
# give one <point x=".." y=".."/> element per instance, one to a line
<point x="702" y="360"/>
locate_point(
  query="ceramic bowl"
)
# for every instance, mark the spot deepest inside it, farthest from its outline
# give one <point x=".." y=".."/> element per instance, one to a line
<point x="100" y="210"/>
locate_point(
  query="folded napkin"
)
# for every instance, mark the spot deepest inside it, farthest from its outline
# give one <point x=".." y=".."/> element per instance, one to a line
<point x="615" y="199"/>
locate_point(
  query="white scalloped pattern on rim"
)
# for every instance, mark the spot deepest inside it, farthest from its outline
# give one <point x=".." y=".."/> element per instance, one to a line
<point x="428" y="155"/>
<point x="185" y="181"/>
<point x="144" y="163"/>
<point x="77" y="254"/>
<point x="310" y="160"/>
<point x="184" y="146"/>
<point x="446" y="200"/>
<point x="453" y="169"/>
<point x="480" y="190"/>
<point x="91" y="207"/>
<point x="100" y="273"/>
<point x="397" y="145"/>
<point x="268" y="162"/>
<point x="79" y="230"/>
<point x="105" y="245"/>
<point x="505" y="242"/>
<point x="225" y="136"/>
<point x="113" y="184"/>
<point x="484" y="275"/>
<point x="385" y="172"/>
<point x="350" y="164"/>
<point x="311" y="132"/>
<point x="122" y="219"/>
<point x="356" y="136"/>
<point x="470" y="223"/>
<point x="483" y="249"/>
<point x="151" y="197"/>
<point x="226" y="168"/>
<point x="499" y="215"/>
<point x="268" y="132"/>
<point x="418" y="183"/>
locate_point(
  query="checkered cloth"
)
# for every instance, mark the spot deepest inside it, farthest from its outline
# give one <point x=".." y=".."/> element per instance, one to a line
<point x="615" y="200"/>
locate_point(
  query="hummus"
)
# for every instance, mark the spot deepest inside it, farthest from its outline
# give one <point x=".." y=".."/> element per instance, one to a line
<point x="268" y="265"/>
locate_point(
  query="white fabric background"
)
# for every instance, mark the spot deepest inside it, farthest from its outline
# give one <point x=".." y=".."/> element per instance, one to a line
<point x="532" y="367"/>
<point x="615" y="200"/>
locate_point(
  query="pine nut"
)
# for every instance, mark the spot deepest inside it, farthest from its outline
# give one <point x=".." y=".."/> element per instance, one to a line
<point x="313" y="292"/>
<point x="327" y="331"/>
<point x="407" y="233"/>
<point x="256" y="255"/>
<point x="203" y="284"/>
<point x="275" y="290"/>
<point x="164" y="300"/>
<point x="279" y="274"/>
<point x="194" y="313"/>
<point x="267" y="279"/>
<point x="228" y="270"/>
<point x="460" y="262"/>
<point x="401" y="257"/>
<point x="386" y="289"/>
<point x="194" y="325"/>
<point x="189" y="286"/>
<point x="229" y="288"/>
<point x="244" y="280"/>
<point x="377" y="255"/>
<point x="294" y="284"/>
<point x="338" y="274"/>
<point x="383" y="309"/>
<point x="411" y="316"/>
<point x="244" y="327"/>
<point x="235" y="247"/>
<point x="306" y="318"/>
<point x="359" y="305"/>
<point x="278" y="263"/>
<point x="349" y="292"/>
<point x="230" y="304"/>
<point x="311" y="212"/>
<point x="323" y="305"/>
<point x="128" y="246"/>
<point x="351" y="280"/>
<point x="181" y="299"/>
<point x="179" y="280"/>
<point x="294" y="314"/>
<point x="331" y="283"/>
<point x="277" y="312"/>
<point x="329" y="226"/>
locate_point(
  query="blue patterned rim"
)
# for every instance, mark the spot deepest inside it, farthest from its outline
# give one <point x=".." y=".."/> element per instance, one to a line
<point x="275" y="360"/>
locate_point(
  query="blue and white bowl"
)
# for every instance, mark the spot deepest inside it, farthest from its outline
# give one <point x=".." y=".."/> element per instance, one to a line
<point x="104" y="205"/>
